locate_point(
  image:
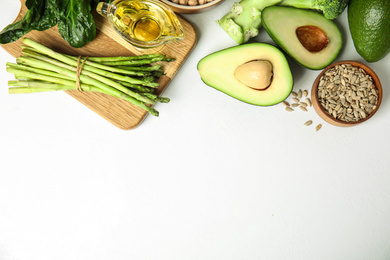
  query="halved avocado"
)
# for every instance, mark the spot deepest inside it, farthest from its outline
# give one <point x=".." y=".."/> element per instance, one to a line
<point x="255" y="73"/>
<point x="305" y="35"/>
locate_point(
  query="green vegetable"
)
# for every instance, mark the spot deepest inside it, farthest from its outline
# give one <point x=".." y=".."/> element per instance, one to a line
<point x="42" y="69"/>
<point x="369" y="24"/>
<point x="75" y="22"/>
<point x="40" y="16"/>
<point x="243" y="21"/>
<point x="74" y="19"/>
<point x="317" y="42"/>
<point x="331" y="9"/>
<point x="239" y="71"/>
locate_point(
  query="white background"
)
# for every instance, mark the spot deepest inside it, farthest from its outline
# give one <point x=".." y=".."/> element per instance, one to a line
<point x="211" y="178"/>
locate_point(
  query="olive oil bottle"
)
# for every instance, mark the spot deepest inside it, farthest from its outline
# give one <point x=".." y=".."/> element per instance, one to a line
<point x="143" y="23"/>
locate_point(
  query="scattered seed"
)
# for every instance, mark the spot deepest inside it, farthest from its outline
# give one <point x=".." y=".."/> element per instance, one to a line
<point x="318" y="127"/>
<point x="303" y="108"/>
<point x="299" y="94"/>
<point x="308" y="102"/>
<point x="303" y="104"/>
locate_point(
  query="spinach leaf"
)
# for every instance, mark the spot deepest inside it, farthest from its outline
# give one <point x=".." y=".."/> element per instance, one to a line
<point x="74" y="19"/>
<point x="75" y="22"/>
<point x="39" y="16"/>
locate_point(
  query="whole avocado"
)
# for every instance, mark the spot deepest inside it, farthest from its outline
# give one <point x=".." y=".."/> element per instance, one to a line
<point x="369" y="23"/>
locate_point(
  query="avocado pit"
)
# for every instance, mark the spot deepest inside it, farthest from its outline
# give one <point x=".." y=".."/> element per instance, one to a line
<point x="256" y="74"/>
<point x="312" y="38"/>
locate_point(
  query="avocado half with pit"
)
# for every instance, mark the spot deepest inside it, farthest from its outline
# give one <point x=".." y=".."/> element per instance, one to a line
<point x="255" y="73"/>
<point x="305" y="35"/>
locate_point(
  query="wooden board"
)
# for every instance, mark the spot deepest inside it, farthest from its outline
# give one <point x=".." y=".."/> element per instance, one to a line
<point x="109" y="43"/>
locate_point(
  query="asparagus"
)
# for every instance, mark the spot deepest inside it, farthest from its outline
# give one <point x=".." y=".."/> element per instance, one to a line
<point x="31" y="86"/>
<point x="129" y="70"/>
<point x="136" y="62"/>
<point x="122" y="58"/>
<point x="86" y="76"/>
<point x="72" y="64"/>
<point x="43" y="69"/>
<point x="137" y="87"/>
<point x="142" y="68"/>
<point x="115" y="69"/>
<point x="103" y="88"/>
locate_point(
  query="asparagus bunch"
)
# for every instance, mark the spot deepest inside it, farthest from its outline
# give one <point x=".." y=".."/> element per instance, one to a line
<point x="132" y="78"/>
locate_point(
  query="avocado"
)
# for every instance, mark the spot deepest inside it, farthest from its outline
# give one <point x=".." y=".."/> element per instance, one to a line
<point x="255" y="73"/>
<point x="305" y="35"/>
<point x="369" y="24"/>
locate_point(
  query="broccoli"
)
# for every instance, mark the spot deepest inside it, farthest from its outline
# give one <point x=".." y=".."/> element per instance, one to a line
<point x="331" y="9"/>
<point x="243" y="21"/>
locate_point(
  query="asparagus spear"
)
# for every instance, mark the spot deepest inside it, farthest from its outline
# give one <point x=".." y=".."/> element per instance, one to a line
<point x="42" y="69"/>
<point x="101" y="87"/>
<point x="136" y="62"/>
<point x="72" y="64"/>
<point x="86" y="76"/>
<point x="122" y="58"/>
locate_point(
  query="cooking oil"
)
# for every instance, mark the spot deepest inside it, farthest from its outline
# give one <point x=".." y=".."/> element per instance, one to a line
<point x="144" y="23"/>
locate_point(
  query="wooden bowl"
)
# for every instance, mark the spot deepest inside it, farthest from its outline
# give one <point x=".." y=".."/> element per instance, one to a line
<point x="331" y="119"/>
<point x="187" y="9"/>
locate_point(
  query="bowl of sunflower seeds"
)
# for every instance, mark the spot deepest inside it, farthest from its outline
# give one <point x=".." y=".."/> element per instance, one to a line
<point x="347" y="93"/>
<point x="191" y="6"/>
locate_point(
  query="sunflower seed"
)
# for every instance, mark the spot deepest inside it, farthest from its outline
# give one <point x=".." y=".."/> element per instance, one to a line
<point x="303" y="108"/>
<point x="318" y="127"/>
<point x="347" y="93"/>
<point x="286" y="103"/>
<point x="289" y="109"/>
<point x="308" y="102"/>
<point x="299" y="94"/>
<point x="307" y="123"/>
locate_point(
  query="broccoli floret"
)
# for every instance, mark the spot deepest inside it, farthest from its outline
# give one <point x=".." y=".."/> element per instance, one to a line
<point x="331" y="9"/>
<point x="243" y="21"/>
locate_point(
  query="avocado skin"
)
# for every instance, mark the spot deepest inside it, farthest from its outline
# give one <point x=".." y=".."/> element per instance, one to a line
<point x="217" y="71"/>
<point x="369" y="23"/>
<point x="289" y="19"/>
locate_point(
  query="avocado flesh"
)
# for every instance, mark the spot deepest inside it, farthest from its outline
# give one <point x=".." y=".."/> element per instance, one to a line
<point x="281" y="23"/>
<point x="217" y="71"/>
<point x="369" y="23"/>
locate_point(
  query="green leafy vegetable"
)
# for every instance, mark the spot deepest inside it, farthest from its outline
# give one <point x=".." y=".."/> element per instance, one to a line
<point x="39" y="16"/>
<point x="75" y="22"/>
<point x="74" y="19"/>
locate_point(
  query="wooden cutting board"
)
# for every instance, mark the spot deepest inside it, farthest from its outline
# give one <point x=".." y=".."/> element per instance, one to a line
<point x="109" y="43"/>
